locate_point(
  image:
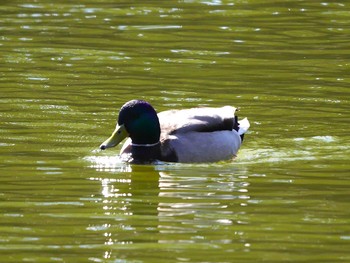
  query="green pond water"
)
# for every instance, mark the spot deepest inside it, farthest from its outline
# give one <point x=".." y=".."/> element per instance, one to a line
<point x="66" y="68"/>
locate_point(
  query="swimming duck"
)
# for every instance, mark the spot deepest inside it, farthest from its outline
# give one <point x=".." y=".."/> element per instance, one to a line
<point x="188" y="135"/>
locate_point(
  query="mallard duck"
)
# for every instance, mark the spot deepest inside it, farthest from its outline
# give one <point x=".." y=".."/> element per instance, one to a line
<point x="188" y="135"/>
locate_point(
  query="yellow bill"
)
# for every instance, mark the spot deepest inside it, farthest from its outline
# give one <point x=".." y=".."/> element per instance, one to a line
<point x="117" y="136"/>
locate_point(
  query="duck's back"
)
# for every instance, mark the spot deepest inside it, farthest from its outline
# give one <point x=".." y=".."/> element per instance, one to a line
<point x="199" y="134"/>
<point x="196" y="119"/>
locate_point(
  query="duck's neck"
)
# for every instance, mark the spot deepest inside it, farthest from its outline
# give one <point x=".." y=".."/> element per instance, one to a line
<point x="145" y="153"/>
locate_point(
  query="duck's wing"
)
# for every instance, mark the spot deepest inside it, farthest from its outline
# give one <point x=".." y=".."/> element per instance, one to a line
<point x="197" y="120"/>
<point x="194" y="147"/>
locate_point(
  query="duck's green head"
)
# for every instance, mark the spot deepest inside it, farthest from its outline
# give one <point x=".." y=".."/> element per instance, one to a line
<point x="137" y="120"/>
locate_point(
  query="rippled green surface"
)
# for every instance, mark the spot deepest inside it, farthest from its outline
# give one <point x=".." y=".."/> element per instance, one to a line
<point x="67" y="67"/>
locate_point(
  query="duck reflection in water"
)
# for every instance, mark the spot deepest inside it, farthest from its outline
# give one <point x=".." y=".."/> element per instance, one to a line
<point x="163" y="204"/>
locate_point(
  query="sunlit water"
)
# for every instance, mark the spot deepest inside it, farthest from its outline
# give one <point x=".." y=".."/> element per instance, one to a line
<point x="68" y="67"/>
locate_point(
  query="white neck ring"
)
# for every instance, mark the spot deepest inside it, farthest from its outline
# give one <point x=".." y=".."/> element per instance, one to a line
<point x="145" y="145"/>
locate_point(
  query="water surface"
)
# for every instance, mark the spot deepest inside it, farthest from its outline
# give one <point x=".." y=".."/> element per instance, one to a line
<point x="68" y="67"/>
